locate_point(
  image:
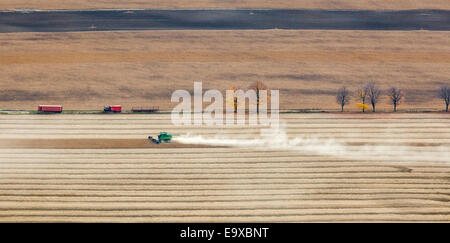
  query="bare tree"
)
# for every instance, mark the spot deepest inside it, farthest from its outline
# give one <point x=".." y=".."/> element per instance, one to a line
<point x="444" y="93"/>
<point x="257" y="86"/>
<point x="343" y="97"/>
<point x="362" y="96"/>
<point x="373" y="93"/>
<point x="396" y="96"/>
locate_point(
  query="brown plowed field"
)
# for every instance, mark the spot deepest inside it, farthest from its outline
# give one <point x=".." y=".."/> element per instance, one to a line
<point x="89" y="70"/>
<point x="90" y="144"/>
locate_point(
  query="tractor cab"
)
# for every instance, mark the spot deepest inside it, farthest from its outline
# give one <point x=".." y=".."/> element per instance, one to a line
<point x="164" y="137"/>
<point x="113" y="108"/>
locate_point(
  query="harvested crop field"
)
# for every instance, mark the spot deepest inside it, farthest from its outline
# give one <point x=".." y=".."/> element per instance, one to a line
<point x="322" y="4"/>
<point x="142" y="68"/>
<point x="316" y="167"/>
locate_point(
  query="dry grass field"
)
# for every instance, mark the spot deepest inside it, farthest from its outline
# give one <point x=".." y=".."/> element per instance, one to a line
<point x="90" y="69"/>
<point x="342" y="167"/>
<point x="320" y="4"/>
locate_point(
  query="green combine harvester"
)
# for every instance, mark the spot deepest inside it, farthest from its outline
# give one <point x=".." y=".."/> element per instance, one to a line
<point x="163" y="137"/>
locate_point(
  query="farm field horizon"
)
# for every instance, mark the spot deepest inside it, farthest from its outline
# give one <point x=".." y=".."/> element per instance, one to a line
<point x="84" y="71"/>
<point x="316" y="167"/>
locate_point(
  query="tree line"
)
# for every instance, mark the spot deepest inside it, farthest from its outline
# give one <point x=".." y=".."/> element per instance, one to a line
<point x="370" y="94"/>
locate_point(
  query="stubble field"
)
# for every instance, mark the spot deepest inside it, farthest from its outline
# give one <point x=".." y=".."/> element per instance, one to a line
<point x="316" y="167"/>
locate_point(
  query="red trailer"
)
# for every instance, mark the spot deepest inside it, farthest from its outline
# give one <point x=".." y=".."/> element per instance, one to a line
<point x="113" y="108"/>
<point x="50" y="108"/>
